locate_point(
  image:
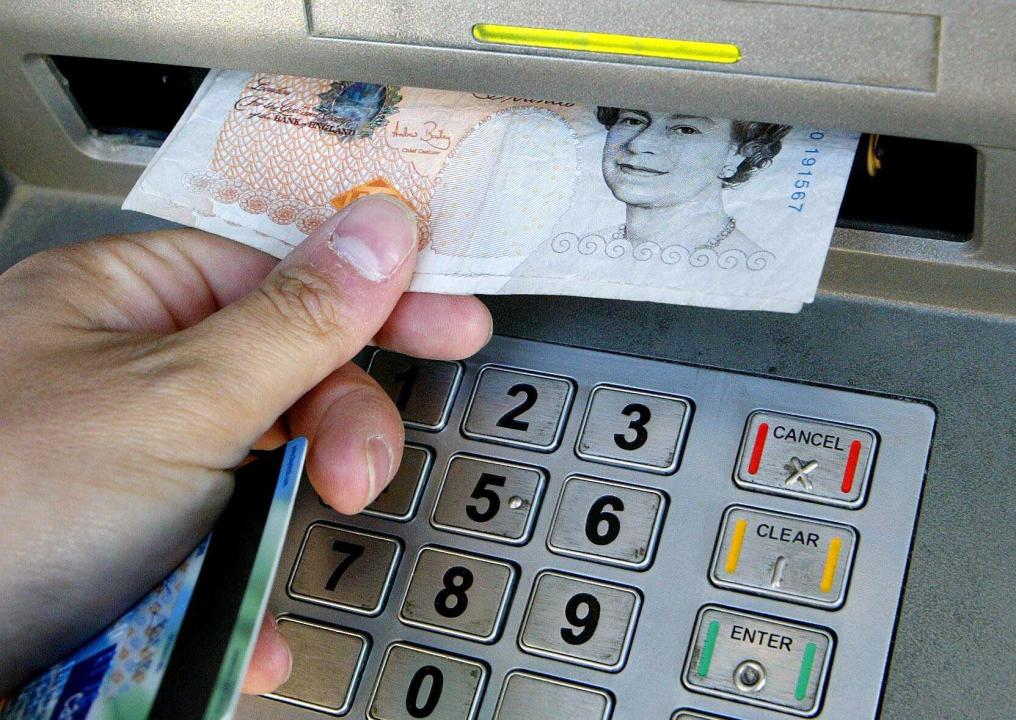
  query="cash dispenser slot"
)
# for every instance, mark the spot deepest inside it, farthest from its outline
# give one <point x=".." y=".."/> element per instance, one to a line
<point x="897" y="185"/>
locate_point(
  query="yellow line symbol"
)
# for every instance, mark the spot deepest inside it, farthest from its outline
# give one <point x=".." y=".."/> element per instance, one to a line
<point x="735" y="546"/>
<point x="829" y="573"/>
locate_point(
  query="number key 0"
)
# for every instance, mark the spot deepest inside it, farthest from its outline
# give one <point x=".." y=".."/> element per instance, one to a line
<point x="607" y="522"/>
<point x="416" y="683"/>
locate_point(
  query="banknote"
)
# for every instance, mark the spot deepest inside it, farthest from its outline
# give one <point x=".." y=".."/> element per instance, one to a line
<point x="512" y="194"/>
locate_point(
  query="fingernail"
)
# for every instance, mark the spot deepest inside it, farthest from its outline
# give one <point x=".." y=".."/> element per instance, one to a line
<point x="379" y="466"/>
<point x="375" y="236"/>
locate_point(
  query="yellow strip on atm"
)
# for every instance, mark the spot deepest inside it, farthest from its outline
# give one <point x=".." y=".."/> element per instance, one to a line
<point x="608" y="43"/>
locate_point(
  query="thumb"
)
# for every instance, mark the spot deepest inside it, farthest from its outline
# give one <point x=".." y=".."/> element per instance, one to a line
<point x="316" y="310"/>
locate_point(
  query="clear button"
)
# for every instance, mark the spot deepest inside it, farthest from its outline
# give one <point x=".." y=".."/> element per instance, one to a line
<point x="784" y="556"/>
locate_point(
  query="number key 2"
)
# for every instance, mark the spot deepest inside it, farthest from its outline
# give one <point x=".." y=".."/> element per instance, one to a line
<point x="518" y="408"/>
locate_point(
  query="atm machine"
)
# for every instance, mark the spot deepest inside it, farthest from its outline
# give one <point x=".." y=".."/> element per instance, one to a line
<point x="819" y="521"/>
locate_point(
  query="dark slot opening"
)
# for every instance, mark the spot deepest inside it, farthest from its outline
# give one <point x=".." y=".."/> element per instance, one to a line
<point x="923" y="188"/>
<point x="138" y="101"/>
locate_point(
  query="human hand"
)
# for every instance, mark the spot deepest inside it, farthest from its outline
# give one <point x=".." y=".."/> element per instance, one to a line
<point x="138" y="370"/>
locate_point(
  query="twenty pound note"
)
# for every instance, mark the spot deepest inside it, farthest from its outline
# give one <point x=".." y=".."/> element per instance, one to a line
<point x="515" y="195"/>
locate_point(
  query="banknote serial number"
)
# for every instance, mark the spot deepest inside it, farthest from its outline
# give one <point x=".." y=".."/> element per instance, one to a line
<point x="804" y="176"/>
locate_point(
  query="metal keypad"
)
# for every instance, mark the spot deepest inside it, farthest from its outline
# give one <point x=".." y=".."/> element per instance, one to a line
<point x="759" y="661"/>
<point x="519" y="643"/>
<point x="419" y="683"/>
<point x="518" y="408"/>
<point x="422" y="390"/>
<point x="327" y="663"/>
<point x="633" y="429"/>
<point x="784" y="556"/>
<point x="580" y="621"/>
<point x="458" y="594"/>
<point x="492" y="499"/>
<point x="344" y="568"/>
<point x="399" y="499"/>
<point x="526" y="696"/>
<point x="820" y="461"/>
<point x="607" y="522"/>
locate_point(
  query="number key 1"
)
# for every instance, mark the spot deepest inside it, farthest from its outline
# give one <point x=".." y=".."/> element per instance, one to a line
<point x="580" y="621"/>
<point x="607" y="522"/>
<point x="422" y="390"/>
<point x="632" y="428"/>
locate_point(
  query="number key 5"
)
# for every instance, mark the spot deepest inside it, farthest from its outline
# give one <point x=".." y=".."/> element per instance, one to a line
<point x="490" y="499"/>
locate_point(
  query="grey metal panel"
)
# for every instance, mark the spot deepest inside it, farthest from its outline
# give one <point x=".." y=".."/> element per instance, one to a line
<point x="676" y="586"/>
<point x="975" y="58"/>
<point x="842" y="45"/>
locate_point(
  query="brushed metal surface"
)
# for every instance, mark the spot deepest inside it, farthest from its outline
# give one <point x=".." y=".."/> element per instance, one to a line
<point x="422" y="390"/>
<point x="613" y="610"/>
<point x="499" y="396"/>
<point x="489" y="498"/>
<point x="327" y="662"/>
<point x="362" y="586"/>
<point x="784" y="556"/>
<point x="677" y="585"/>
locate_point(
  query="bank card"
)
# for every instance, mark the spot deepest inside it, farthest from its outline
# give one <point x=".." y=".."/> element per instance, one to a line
<point x="181" y="653"/>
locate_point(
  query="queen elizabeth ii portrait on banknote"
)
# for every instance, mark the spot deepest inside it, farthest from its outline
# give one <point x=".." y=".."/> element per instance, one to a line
<point x="670" y="170"/>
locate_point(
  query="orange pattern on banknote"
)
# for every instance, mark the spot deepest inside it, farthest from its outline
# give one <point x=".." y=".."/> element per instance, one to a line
<point x="271" y="159"/>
